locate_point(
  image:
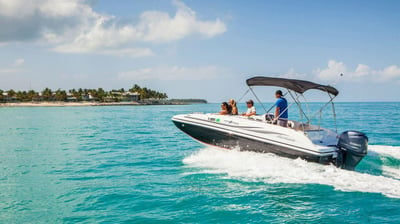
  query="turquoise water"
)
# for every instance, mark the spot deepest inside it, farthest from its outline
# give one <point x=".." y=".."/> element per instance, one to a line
<point x="130" y="164"/>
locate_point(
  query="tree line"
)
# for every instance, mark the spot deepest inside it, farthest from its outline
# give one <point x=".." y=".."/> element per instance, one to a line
<point x="80" y="94"/>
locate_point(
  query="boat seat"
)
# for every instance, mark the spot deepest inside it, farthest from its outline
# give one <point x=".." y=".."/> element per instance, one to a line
<point x="298" y="126"/>
<point x="269" y="117"/>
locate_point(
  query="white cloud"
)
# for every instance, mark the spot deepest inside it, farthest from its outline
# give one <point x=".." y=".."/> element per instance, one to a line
<point x="292" y="74"/>
<point x="390" y="72"/>
<point x="361" y="73"/>
<point x="19" y="62"/>
<point x="16" y="9"/>
<point x="9" y="70"/>
<point x="21" y="9"/>
<point x="332" y="72"/>
<point x="22" y="20"/>
<point x="65" y="8"/>
<point x="128" y="52"/>
<point x="72" y="26"/>
<point x="160" y="27"/>
<point x="15" y="67"/>
<point x="174" y="73"/>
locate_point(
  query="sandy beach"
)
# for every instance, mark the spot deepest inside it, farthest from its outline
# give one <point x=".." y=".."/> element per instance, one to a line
<point x="65" y="104"/>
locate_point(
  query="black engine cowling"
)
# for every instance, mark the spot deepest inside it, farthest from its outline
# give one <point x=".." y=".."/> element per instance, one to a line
<point x="353" y="147"/>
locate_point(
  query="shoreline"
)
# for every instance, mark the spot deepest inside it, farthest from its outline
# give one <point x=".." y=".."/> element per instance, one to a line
<point x="77" y="104"/>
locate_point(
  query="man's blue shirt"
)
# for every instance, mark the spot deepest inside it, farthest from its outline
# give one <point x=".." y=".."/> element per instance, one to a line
<point x="282" y="104"/>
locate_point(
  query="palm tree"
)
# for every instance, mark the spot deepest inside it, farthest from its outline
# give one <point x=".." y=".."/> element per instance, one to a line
<point x="22" y="96"/>
<point x="144" y="93"/>
<point x="11" y="93"/>
<point x="47" y="94"/>
<point x="32" y="95"/>
<point x="60" y="95"/>
<point x="80" y="93"/>
<point x="135" y="88"/>
<point x="101" y="94"/>
<point x="75" y="94"/>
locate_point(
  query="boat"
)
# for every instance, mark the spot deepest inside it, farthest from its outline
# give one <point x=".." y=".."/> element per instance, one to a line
<point x="259" y="133"/>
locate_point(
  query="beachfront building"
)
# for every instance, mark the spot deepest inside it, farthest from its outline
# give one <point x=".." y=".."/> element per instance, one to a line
<point x="116" y="96"/>
<point x="88" y="97"/>
<point x="9" y="97"/>
<point x="129" y="96"/>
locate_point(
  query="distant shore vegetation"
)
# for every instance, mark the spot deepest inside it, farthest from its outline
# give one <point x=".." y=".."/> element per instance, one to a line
<point x="139" y="94"/>
<point x="188" y="101"/>
<point x="136" y="93"/>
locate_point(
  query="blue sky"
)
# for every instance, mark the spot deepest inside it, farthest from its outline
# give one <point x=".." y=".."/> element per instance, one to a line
<point x="201" y="49"/>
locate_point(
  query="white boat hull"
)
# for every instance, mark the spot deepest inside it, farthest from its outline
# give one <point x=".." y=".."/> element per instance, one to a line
<point x="254" y="134"/>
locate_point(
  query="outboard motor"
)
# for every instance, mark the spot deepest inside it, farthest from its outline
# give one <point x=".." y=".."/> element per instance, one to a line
<point x="353" y="147"/>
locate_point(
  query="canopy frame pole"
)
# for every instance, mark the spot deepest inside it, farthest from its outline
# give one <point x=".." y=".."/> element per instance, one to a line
<point x="323" y="107"/>
<point x="296" y="100"/>
<point x="258" y="100"/>
<point x="333" y="111"/>
<point x="244" y="95"/>
<point x="302" y="113"/>
<point x="308" y="109"/>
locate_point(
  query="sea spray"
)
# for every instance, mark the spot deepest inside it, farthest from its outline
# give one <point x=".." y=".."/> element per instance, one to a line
<point x="385" y="150"/>
<point x="269" y="168"/>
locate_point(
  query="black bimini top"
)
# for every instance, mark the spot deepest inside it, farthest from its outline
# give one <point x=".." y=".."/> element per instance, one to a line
<point x="299" y="86"/>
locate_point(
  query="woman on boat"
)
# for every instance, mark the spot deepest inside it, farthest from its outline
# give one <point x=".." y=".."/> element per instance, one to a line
<point x="234" y="109"/>
<point x="225" y="108"/>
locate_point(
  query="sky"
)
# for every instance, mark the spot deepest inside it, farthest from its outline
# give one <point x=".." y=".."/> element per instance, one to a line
<point x="202" y="49"/>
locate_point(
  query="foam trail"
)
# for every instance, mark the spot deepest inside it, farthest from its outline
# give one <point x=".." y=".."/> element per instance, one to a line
<point x="270" y="168"/>
<point x="392" y="172"/>
<point x="391" y="151"/>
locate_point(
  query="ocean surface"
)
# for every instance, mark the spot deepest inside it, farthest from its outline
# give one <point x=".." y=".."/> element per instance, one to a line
<point x="130" y="164"/>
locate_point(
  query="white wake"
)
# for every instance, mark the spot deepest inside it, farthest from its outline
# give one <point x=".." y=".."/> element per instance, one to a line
<point x="269" y="168"/>
<point x="391" y="151"/>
